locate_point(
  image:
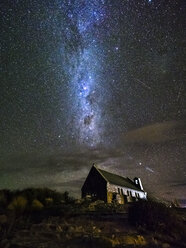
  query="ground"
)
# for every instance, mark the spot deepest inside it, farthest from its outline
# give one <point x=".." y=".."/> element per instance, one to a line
<point x="82" y="224"/>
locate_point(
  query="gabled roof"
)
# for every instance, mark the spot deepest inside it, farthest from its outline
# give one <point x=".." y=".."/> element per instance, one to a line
<point x="117" y="180"/>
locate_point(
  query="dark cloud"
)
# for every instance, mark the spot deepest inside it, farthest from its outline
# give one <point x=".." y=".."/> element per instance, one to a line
<point x="63" y="171"/>
<point x="157" y="133"/>
<point x="67" y="171"/>
<point x="179" y="185"/>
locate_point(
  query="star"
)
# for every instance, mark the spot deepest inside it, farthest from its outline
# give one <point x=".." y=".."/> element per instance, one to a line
<point x="85" y="81"/>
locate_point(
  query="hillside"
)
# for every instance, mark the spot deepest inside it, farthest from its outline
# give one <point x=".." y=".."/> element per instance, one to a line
<point x="44" y="218"/>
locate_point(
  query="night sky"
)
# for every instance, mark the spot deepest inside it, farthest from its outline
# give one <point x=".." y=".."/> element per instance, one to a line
<point x="93" y="81"/>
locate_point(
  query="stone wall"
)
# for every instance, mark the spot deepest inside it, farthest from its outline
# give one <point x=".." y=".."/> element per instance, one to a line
<point x="123" y="195"/>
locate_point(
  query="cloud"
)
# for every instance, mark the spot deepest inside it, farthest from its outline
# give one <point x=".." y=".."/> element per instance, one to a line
<point x="157" y="166"/>
<point x="179" y="185"/>
<point x="62" y="171"/>
<point x="157" y="133"/>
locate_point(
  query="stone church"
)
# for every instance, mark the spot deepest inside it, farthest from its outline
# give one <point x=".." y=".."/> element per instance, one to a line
<point x="109" y="187"/>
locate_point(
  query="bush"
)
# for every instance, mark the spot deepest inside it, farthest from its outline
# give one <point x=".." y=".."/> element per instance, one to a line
<point x="37" y="205"/>
<point x="49" y="201"/>
<point x="29" y="199"/>
<point x="155" y="216"/>
<point x="18" y="204"/>
<point x="42" y="194"/>
<point x="3" y="199"/>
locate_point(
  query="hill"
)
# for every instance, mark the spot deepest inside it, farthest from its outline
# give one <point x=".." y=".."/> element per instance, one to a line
<point x="44" y="218"/>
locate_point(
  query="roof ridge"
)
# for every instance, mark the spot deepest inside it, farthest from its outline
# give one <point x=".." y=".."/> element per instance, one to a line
<point x="115" y="174"/>
<point x="100" y="172"/>
<point x="117" y="179"/>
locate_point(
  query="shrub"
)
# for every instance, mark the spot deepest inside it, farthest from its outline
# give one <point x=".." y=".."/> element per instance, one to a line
<point x="42" y="194"/>
<point x="18" y="204"/>
<point x="154" y="216"/>
<point x="49" y="201"/>
<point x="37" y="205"/>
<point x="21" y="200"/>
<point x="3" y="199"/>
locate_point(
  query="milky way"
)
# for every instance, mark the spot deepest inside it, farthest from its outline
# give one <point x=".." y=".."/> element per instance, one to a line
<point x="85" y="79"/>
<point x="93" y="81"/>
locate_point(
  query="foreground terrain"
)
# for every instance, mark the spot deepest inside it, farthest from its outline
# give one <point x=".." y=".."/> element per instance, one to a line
<point x="46" y="219"/>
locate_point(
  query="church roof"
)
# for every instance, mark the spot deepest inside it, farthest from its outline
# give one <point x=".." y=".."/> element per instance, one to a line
<point x="118" y="180"/>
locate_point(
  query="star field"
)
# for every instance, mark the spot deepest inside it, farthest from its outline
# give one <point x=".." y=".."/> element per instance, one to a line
<point x="93" y="81"/>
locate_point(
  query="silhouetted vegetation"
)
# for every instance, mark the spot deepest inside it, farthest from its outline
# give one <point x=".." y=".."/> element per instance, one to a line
<point x="155" y="216"/>
<point x="32" y="199"/>
<point x="44" y="213"/>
